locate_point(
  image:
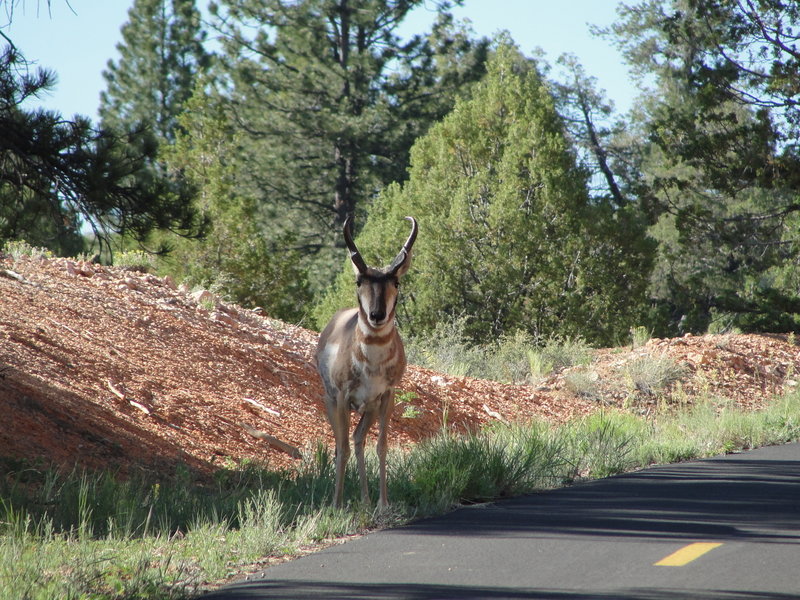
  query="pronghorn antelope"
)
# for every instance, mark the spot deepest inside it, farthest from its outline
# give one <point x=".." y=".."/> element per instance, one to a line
<point x="360" y="359"/>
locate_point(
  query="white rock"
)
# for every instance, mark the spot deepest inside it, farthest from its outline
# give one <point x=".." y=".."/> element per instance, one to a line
<point x="170" y="282"/>
<point x="221" y="317"/>
<point x="202" y="296"/>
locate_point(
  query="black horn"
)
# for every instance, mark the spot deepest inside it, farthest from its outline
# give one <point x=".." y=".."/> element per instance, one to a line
<point x="355" y="255"/>
<point x="406" y="250"/>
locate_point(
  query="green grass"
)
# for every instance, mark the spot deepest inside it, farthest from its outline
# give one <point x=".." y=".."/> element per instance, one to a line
<point x="514" y="358"/>
<point x="81" y="535"/>
<point x="653" y="375"/>
<point x="451" y="469"/>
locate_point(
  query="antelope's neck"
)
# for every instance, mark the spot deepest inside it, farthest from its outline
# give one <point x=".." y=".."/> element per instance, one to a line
<point x="376" y="351"/>
<point x="366" y="335"/>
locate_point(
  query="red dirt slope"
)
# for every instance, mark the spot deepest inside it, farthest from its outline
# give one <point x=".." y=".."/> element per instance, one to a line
<point x="106" y="367"/>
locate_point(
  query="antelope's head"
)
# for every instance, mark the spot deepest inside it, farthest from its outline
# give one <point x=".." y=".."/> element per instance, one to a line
<point x="377" y="288"/>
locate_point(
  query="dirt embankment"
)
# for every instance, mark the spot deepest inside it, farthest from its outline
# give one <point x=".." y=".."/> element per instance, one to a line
<point x="106" y="367"/>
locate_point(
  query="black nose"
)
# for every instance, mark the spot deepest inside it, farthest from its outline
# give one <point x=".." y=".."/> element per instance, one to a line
<point x="377" y="315"/>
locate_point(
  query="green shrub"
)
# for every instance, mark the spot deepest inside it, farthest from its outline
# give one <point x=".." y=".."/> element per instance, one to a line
<point x="135" y="260"/>
<point x="513" y="358"/>
<point x="653" y="375"/>
<point x="583" y="382"/>
<point x="603" y="444"/>
<point x="640" y="336"/>
<point x="446" y="349"/>
<point x="16" y="249"/>
<point x="558" y="353"/>
<point x="452" y="469"/>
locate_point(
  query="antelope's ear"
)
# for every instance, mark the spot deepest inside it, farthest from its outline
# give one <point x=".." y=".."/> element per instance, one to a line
<point x="356" y="268"/>
<point x="401" y="263"/>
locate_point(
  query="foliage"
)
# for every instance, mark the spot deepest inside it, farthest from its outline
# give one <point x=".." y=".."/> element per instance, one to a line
<point x="601" y="444"/>
<point x="478" y="467"/>
<point x="234" y="258"/>
<point x="160" y="58"/>
<point x="446" y="349"/>
<point x="583" y="382"/>
<point x="135" y="260"/>
<point x="596" y="137"/>
<point x="329" y="100"/>
<point x="639" y="336"/>
<point x="717" y="162"/>
<point x="652" y="375"/>
<point x="508" y="237"/>
<point x="558" y="353"/>
<point x="19" y="248"/>
<point x="59" y="175"/>
<point x="515" y="358"/>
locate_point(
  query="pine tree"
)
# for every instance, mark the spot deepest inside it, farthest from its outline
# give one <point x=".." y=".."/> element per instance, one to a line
<point x="58" y="175"/>
<point x="234" y="257"/>
<point x="720" y="170"/>
<point x="161" y="55"/>
<point x="331" y="101"/>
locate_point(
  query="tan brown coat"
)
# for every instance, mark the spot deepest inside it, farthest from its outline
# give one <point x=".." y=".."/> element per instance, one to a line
<point x="360" y="359"/>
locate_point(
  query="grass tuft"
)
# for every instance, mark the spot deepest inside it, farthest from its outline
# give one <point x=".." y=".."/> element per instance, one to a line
<point x="136" y="260"/>
<point x="514" y="358"/>
<point x="653" y="375"/>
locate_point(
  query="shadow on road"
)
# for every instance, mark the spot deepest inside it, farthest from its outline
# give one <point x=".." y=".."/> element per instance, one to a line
<point x="721" y="499"/>
<point x="302" y="590"/>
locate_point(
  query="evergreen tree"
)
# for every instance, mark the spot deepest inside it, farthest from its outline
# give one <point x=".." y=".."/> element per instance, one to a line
<point x="720" y="166"/>
<point x="57" y="175"/>
<point x="161" y="55"/>
<point x="331" y="101"/>
<point x="596" y="134"/>
<point x="508" y="237"/>
<point x="234" y="258"/>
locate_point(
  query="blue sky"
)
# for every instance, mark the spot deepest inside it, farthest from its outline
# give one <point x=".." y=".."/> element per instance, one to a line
<point x="77" y="39"/>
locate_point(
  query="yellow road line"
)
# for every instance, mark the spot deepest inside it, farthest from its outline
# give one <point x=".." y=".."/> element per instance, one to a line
<point x="686" y="554"/>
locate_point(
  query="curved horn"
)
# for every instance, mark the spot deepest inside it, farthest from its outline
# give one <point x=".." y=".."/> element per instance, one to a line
<point x="355" y="255"/>
<point x="405" y="252"/>
<point x="413" y="236"/>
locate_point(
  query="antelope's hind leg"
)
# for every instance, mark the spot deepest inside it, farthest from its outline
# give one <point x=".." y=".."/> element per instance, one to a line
<point x="385" y="414"/>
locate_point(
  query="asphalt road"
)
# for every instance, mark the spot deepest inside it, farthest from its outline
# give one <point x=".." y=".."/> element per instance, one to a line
<point x="598" y="540"/>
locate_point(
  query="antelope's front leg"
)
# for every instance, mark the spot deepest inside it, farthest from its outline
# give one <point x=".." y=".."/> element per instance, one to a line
<point x="339" y="416"/>
<point x="359" y="439"/>
<point x="385" y="414"/>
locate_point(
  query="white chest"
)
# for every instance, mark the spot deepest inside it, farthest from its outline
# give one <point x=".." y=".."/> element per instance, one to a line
<point x="372" y="375"/>
<point x="368" y="391"/>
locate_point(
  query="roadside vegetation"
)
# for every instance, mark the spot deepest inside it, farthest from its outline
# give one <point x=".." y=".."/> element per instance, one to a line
<point x="97" y="535"/>
<point x="516" y="358"/>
